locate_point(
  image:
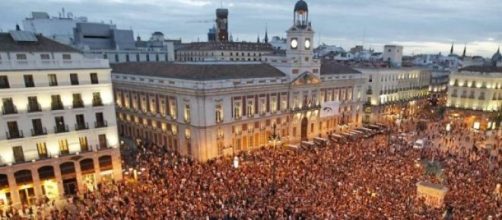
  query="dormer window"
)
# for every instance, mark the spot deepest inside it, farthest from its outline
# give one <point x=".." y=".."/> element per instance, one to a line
<point x="21" y="56"/>
<point x="45" y="56"/>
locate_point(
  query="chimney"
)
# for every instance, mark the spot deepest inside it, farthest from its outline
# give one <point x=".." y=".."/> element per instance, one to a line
<point x="17" y="27"/>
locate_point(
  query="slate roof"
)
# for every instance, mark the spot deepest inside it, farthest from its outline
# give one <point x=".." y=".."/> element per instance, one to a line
<point x="330" y="68"/>
<point x="226" y="46"/>
<point x="7" y="44"/>
<point x="198" y="72"/>
<point x="482" y="69"/>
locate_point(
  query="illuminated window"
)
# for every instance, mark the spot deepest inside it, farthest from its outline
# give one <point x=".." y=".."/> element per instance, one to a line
<point x="96" y="99"/>
<point x="42" y="150"/>
<point x="250" y="109"/>
<point x="237" y="109"/>
<point x="188" y="133"/>
<point x="187" y="113"/>
<point x="273" y="104"/>
<point x="219" y="113"/>
<point x="63" y="146"/>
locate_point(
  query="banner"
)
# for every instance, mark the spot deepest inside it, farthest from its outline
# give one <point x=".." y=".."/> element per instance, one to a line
<point x="330" y="109"/>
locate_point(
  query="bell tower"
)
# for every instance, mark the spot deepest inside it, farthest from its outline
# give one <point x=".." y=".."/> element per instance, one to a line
<point x="301" y="41"/>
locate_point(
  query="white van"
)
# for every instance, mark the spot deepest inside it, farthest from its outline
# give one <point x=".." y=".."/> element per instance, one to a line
<point x="419" y="144"/>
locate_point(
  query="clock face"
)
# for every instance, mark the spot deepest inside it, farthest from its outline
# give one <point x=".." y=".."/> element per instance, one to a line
<point x="294" y="43"/>
<point x="307" y="44"/>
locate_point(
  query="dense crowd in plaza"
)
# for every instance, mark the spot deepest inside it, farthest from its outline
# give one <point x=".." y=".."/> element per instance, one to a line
<point x="367" y="179"/>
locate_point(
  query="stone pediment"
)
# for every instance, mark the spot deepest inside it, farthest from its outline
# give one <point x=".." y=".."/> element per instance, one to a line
<point x="306" y="78"/>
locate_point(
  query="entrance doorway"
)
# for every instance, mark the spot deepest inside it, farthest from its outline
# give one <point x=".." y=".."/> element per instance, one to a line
<point x="70" y="186"/>
<point x="304" y="128"/>
<point x="27" y="196"/>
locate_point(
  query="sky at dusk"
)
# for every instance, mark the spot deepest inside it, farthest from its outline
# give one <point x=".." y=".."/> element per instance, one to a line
<point x="421" y="26"/>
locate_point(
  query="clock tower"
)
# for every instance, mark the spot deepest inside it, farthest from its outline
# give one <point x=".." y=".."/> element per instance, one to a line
<point x="300" y="43"/>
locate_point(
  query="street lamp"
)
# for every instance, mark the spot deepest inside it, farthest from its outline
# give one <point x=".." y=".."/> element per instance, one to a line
<point x="274" y="139"/>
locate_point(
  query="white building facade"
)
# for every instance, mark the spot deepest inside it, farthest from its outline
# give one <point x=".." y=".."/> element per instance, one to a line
<point x="206" y="110"/>
<point x="391" y="89"/>
<point x="58" y="133"/>
<point x="476" y="93"/>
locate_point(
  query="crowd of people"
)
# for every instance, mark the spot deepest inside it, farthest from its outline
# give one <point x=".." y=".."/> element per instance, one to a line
<point x="365" y="179"/>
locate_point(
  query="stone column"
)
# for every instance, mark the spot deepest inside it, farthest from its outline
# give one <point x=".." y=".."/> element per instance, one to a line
<point x="37" y="186"/>
<point x="59" y="179"/>
<point x="78" y="173"/>
<point x="97" y="170"/>
<point x="14" y="194"/>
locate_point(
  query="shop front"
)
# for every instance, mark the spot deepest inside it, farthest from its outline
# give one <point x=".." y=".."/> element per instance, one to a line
<point x="24" y="181"/>
<point x="88" y="174"/>
<point x="5" y="196"/>
<point x="48" y="182"/>
<point x="106" y="168"/>
<point x="69" y="177"/>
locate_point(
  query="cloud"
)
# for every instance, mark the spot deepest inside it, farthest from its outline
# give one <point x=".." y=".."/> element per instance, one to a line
<point x="422" y="25"/>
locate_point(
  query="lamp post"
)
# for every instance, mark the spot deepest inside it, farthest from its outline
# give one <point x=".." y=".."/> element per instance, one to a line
<point x="274" y="139"/>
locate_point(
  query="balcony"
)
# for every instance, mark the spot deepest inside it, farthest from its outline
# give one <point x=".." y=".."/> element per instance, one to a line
<point x="38" y="132"/>
<point x="306" y="108"/>
<point x="14" y="134"/>
<point x="78" y="104"/>
<point x="61" y="129"/>
<point x="100" y="124"/>
<point x="81" y="126"/>
<point x="52" y="64"/>
<point x="98" y="102"/>
<point x="34" y="107"/>
<point x="8" y="110"/>
<point x="57" y="106"/>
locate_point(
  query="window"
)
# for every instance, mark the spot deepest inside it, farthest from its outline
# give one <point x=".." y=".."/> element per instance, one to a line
<point x="100" y="120"/>
<point x="84" y="145"/>
<point x="42" y="150"/>
<point x="28" y="81"/>
<point x="80" y="125"/>
<point x="8" y="106"/>
<point x="77" y="101"/>
<point x="37" y="127"/>
<point x="4" y="82"/>
<point x="33" y="105"/>
<point x="18" y="154"/>
<point x="94" y="78"/>
<point x="96" y="99"/>
<point x="250" y="109"/>
<point x="66" y="57"/>
<point x="187" y="113"/>
<point x="103" y="144"/>
<point x="53" y="81"/>
<point x="73" y="79"/>
<point x="56" y="103"/>
<point x="219" y="113"/>
<point x="237" y="110"/>
<point x="188" y="133"/>
<point x="63" y="147"/>
<point x="45" y="56"/>
<point x="127" y="57"/>
<point x="60" y="125"/>
<point x="13" y="130"/>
